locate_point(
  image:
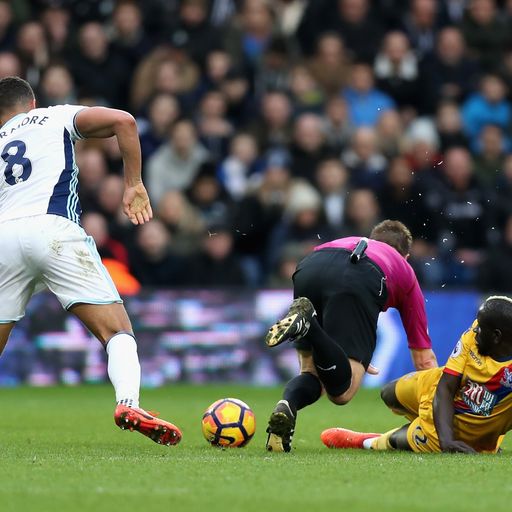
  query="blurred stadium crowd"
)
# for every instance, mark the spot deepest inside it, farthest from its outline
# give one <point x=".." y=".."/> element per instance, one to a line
<point x="270" y="126"/>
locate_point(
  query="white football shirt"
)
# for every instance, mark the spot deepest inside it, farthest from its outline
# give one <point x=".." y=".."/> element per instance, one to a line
<point x="38" y="172"/>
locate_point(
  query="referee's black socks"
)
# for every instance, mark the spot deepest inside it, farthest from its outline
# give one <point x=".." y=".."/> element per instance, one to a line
<point x="301" y="391"/>
<point x="331" y="362"/>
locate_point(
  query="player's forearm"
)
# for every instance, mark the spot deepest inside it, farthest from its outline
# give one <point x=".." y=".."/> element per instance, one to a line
<point x="129" y="146"/>
<point x="443" y="410"/>
<point x="105" y="122"/>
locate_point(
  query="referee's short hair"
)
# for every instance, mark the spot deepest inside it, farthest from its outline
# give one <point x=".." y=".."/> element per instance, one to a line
<point x="14" y="91"/>
<point x="394" y="233"/>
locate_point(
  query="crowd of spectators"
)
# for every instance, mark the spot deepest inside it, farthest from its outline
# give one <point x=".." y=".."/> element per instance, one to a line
<point x="270" y="126"/>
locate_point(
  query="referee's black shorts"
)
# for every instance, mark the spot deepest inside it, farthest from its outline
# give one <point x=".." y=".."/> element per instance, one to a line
<point x="347" y="297"/>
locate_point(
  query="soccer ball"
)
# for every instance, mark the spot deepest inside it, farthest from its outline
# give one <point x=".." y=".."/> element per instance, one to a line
<point x="228" y="422"/>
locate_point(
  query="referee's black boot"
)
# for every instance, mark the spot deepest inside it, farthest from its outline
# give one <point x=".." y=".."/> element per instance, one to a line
<point x="294" y="325"/>
<point x="281" y="427"/>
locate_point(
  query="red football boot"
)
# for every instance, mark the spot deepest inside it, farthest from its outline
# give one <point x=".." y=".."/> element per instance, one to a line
<point x="160" y="431"/>
<point x="345" y="438"/>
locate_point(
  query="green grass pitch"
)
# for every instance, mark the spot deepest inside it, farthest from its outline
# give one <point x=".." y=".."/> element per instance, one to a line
<point x="60" y="451"/>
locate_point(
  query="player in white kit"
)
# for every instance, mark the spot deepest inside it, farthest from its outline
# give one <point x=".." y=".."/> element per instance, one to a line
<point x="43" y="244"/>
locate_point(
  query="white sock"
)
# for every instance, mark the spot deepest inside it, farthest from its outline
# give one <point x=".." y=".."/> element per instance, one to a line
<point x="367" y="443"/>
<point x="124" y="368"/>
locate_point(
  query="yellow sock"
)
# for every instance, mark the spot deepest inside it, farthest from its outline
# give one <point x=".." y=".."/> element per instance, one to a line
<point x="382" y="442"/>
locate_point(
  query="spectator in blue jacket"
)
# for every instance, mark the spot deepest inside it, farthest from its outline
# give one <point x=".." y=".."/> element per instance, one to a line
<point x="488" y="106"/>
<point x="365" y="102"/>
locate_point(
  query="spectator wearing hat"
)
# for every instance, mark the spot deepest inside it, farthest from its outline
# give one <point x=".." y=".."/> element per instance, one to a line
<point x="421" y="147"/>
<point x="302" y="222"/>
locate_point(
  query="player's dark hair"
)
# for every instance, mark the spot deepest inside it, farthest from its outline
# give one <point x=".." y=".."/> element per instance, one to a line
<point x="14" y="91"/>
<point x="394" y="233"/>
<point x="497" y="311"/>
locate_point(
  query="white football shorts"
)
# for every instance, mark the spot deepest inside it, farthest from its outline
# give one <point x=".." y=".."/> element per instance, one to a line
<point x="48" y="251"/>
